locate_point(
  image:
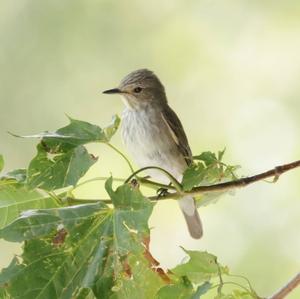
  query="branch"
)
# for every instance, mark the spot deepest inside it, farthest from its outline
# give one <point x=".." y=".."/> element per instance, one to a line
<point x="291" y="285"/>
<point x="243" y="182"/>
<point x="275" y="172"/>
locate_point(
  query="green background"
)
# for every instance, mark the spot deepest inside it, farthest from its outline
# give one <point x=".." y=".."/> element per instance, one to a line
<point x="231" y="71"/>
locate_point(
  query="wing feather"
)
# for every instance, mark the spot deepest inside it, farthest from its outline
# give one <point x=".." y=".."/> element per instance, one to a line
<point x="177" y="132"/>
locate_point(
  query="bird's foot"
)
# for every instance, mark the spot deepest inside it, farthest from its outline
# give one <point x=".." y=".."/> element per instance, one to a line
<point x="161" y="192"/>
<point x="134" y="183"/>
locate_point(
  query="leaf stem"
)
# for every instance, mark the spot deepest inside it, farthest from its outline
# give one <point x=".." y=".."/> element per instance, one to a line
<point x="121" y="154"/>
<point x="233" y="283"/>
<point x="242" y="277"/>
<point x="220" y="278"/>
<point x="100" y="178"/>
<point x="78" y="201"/>
<point x="173" y="180"/>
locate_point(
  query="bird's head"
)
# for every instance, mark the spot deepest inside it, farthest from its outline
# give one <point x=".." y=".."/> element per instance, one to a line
<point x="139" y="89"/>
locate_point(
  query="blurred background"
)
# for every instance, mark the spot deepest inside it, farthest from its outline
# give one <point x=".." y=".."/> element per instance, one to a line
<point x="231" y="71"/>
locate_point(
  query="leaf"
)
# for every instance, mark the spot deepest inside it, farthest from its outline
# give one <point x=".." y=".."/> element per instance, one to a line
<point x="84" y="293"/>
<point x="18" y="175"/>
<point x="75" y="134"/>
<point x="1" y="162"/>
<point x="221" y="154"/>
<point x="192" y="176"/>
<point x="237" y="294"/>
<point x="61" y="159"/>
<point x="60" y="170"/>
<point x="15" y="198"/>
<point x="204" y="200"/>
<point x="201" y="290"/>
<point x="10" y="271"/>
<point x="111" y="129"/>
<point x="208" y="170"/>
<point x="59" y="271"/>
<point x="142" y="283"/>
<point x="4" y="294"/>
<point x="183" y="289"/>
<point x="102" y="249"/>
<point x="201" y="267"/>
<point x="207" y="157"/>
<point x="132" y="211"/>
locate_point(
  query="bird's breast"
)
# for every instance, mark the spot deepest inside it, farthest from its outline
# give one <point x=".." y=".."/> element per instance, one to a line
<point x="149" y="142"/>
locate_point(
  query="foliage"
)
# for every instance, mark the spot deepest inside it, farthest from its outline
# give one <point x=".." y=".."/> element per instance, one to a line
<point x="208" y="169"/>
<point x="95" y="249"/>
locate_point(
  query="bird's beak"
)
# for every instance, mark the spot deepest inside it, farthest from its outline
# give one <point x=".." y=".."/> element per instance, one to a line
<point x="112" y="91"/>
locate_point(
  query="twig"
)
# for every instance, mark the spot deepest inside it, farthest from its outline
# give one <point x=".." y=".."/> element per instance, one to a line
<point x="275" y="172"/>
<point x="284" y="291"/>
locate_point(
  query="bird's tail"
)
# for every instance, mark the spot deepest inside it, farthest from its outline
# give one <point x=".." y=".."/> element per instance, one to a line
<point x="191" y="215"/>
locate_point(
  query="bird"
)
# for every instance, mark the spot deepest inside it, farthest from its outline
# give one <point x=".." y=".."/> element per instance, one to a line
<point x="154" y="135"/>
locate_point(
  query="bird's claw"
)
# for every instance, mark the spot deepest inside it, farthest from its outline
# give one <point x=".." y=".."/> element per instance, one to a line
<point x="161" y="192"/>
<point x="134" y="183"/>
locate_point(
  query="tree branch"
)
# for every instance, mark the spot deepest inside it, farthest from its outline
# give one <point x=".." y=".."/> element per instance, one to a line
<point x="291" y="285"/>
<point x="243" y="182"/>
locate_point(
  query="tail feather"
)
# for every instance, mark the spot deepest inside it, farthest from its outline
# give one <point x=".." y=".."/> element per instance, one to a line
<point x="191" y="215"/>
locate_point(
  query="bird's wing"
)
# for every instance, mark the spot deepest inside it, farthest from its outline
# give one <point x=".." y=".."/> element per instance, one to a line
<point x="177" y="132"/>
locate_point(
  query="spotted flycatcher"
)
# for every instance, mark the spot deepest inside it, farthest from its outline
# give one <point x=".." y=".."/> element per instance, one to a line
<point x="154" y="135"/>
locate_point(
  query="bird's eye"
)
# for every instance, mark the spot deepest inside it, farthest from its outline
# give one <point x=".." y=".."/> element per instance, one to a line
<point x="137" y="89"/>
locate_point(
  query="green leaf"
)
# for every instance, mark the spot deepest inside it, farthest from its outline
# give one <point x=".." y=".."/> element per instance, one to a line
<point x="204" y="200"/>
<point x="208" y="170"/>
<point x="142" y="283"/>
<point x="221" y="154"/>
<point x="15" y="198"/>
<point x="111" y="129"/>
<point x="18" y="175"/>
<point x="201" y="267"/>
<point x="61" y="159"/>
<point x="10" y="271"/>
<point x="1" y="162"/>
<point x="59" y="269"/>
<point x="4" y="294"/>
<point x="126" y="196"/>
<point x="201" y="290"/>
<point x="207" y="157"/>
<point x="132" y="211"/>
<point x="84" y="293"/>
<point x="56" y="171"/>
<point x="192" y="176"/>
<point x="85" y="246"/>
<point x="237" y="294"/>
<point x="76" y="133"/>
<point x="183" y="289"/>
